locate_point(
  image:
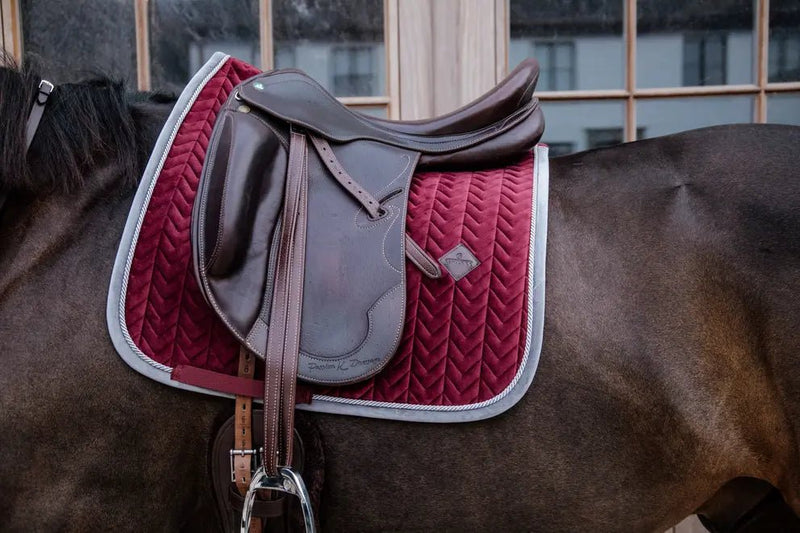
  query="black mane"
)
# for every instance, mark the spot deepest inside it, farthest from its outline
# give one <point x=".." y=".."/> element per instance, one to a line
<point x="85" y="125"/>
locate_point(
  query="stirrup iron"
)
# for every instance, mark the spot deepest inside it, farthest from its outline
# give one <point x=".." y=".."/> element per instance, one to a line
<point x="288" y="481"/>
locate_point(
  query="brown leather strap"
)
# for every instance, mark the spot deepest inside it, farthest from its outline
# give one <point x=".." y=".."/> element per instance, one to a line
<point x="325" y="152"/>
<point x="283" y="343"/>
<point x="417" y="255"/>
<point x="243" y="425"/>
<point x="243" y="433"/>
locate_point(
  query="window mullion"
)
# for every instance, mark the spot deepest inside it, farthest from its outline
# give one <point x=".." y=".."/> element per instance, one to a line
<point x="142" y="44"/>
<point x="629" y="21"/>
<point x="762" y="36"/>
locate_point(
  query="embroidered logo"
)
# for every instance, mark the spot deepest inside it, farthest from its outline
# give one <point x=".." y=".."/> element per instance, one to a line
<point x="459" y="261"/>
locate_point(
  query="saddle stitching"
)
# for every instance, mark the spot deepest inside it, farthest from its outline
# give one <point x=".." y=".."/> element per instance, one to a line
<point x="336" y="357"/>
<point x="372" y="371"/>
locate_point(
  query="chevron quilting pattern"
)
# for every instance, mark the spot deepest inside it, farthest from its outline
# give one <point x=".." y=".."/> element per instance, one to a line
<point x="166" y="314"/>
<point x="463" y="341"/>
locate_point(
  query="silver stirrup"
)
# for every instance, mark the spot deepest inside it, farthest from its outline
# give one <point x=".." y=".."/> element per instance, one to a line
<point x="288" y="481"/>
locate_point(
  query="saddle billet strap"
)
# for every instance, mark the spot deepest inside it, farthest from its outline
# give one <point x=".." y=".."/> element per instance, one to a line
<point x="243" y="434"/>
<point x="243" y="426"/>
<point x="283" y="343"/>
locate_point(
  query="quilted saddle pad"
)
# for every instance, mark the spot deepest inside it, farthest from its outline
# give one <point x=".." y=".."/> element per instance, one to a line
<point x="470" y="345"/>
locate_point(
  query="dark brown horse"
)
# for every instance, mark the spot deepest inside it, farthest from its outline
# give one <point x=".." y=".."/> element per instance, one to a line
<point x="670" y="366"/>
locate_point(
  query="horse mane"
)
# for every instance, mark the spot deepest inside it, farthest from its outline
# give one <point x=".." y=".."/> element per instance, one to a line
<point x="85" y="125"/>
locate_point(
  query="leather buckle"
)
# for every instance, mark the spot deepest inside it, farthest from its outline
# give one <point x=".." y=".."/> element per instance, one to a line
<point x="45" y="88"/>
<point x="241" y="453"/>
<point x="287" y="481"/>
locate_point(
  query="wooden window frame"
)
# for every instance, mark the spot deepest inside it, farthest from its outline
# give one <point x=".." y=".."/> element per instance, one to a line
<point x="631" y="94"/>
<point x="10" y="21"/>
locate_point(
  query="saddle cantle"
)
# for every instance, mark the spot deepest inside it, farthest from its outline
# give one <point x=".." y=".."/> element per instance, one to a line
<point x="358" y="172"/>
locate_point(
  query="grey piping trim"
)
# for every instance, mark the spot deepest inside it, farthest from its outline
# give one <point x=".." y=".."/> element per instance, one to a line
<point x="136" y="359"/>
<point x="115" y="308"/>
<point x="533" y="339"/>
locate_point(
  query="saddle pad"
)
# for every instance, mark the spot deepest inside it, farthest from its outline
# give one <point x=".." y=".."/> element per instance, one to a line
<point x="471" y="340"/>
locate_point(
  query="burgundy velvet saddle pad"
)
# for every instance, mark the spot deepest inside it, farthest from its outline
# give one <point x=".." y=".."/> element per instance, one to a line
<point x="470" y="345"/>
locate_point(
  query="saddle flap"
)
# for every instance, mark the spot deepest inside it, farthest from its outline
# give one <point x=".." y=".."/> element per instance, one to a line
<point x="353" y="301"/>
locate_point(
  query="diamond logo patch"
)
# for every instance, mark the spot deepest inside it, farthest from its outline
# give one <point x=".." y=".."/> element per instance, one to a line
<point x="459" y="261"/>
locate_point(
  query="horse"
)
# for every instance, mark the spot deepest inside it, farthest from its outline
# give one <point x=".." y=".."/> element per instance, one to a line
<point x="668" y="384"/>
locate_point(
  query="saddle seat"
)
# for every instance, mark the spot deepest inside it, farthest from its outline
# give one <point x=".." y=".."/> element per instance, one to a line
<point x="513" y="92"/>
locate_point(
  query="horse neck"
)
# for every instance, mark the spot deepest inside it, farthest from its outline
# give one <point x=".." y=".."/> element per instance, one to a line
<point x="38" y="227"/>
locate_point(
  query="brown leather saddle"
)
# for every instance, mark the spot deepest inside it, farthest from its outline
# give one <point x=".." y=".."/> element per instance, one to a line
<point x="298" y="229"/>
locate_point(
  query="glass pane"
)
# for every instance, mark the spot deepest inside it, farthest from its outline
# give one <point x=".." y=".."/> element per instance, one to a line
<point x="783" y="108"/>
<point x="185" y="33"/>
<point x="671" y="115"/>
<point x="694" y="42"/>
<point x="338" y="43"/>
<point x="75" y="39"/>
<point x="784" y="40"/>
<point x="379" y="111"/>
<point x="578" y="44"/>
<point x="576" y="126"/>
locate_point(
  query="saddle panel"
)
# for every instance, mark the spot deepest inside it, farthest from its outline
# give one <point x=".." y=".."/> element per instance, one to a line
<point x="291" y="96"/>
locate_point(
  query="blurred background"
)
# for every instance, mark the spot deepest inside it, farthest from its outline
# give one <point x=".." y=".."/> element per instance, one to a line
<point x="611" y="70"/>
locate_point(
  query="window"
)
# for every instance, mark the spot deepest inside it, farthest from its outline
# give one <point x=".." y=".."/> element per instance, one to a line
<point x="354" y="71"/>
<point x="601" y="138"/>
<point x="784" y="56"/>
<point x="560" y="148"/>
<point x="622" y="70"/>
<point x="704" y="59"/>
<point x="50" y="35"/>
<point x="557" y="61"/>
<point x="160" y="44"/>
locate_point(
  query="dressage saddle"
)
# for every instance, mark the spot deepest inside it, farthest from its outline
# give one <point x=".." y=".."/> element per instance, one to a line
<point x="298" y="226"/>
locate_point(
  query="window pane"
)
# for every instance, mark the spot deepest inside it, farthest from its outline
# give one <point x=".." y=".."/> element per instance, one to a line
<point x="694" y="42"/>
<point x="783" y="108"/>
<point x="583" y="39"/>
<point x="784" y="40"/>
<point x="339" y="43"/>
<point x="671" y="115"/>
<point x="379" y="111"/>
<point x="74" y="40"/>
<point x="576" y="126"/>
<point x="185" y="33"/>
